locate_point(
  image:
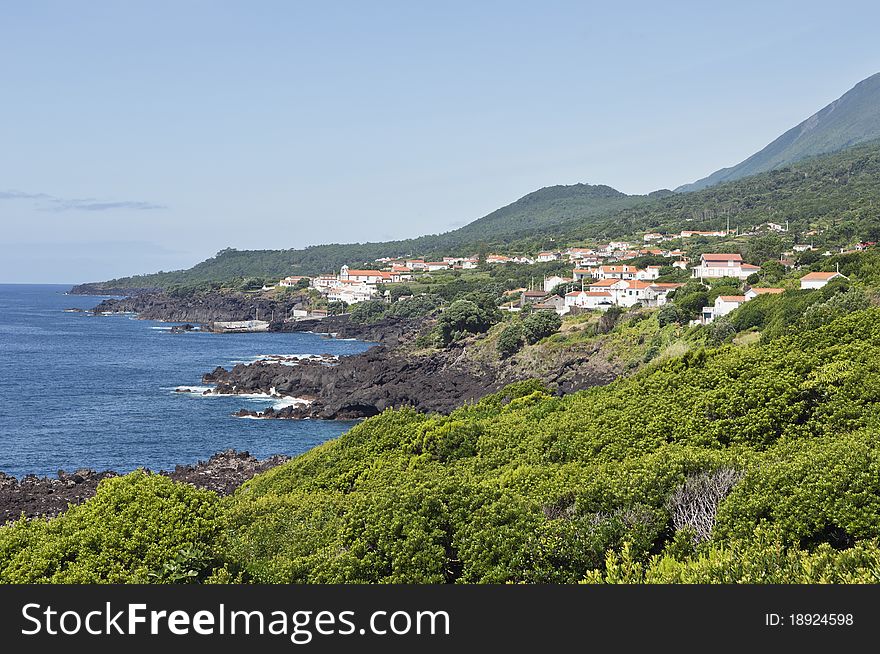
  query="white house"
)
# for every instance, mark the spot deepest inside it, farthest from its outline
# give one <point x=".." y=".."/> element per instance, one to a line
<point x="434" y="266"/>
<point x="618" y="272"/>
<point x="588" y="300"/>
<point x="815" y="280"/>
<point x="723" y="265"/>
<point x="650" y="272"/>
<point x="555" y="280"/>
<point x="366" y="276"/>
<point x="547" y="256"/>
<point x="585" y="273"/>
<point x="293" y="280"/>
<point x="658" y="294"/>
<point x="469" y="264"/>
<point x="647" y="238"/>
<point x="688" y="233"/>
<point x="752" y="293"/>
<point x="497" y="258"/>
<point x="724" y="304"/>
<point x="624" y="292"/>
<point x="415" y="264"/>
<point x="351" y="292"/>
<point x="324" y="282"/>
<point x="618" y="245"/>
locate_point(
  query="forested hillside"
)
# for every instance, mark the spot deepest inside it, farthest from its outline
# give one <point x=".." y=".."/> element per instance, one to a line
<point x="836" y="195"/>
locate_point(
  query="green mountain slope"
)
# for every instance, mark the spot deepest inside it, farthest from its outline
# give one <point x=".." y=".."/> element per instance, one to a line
<point x="851" y="119"/>
<point x="837" y="194"/>
<point x="534" y="215"/>
<point x="545" y="208"/>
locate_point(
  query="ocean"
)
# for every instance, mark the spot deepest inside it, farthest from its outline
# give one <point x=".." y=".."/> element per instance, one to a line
<point x="83" y="391"/>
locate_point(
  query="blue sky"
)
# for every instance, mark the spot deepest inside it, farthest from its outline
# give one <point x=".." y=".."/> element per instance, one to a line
<point x="141" y="136"/>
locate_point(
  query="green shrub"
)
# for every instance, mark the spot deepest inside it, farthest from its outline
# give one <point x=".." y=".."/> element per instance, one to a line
<point x="510" y="340"/>
<point x="140" y="528"/>
<point x="540" y="325"/>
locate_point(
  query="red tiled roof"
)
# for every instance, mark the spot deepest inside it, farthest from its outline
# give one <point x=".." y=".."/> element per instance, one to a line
<point x="816" y="276"/>
<point x="722" y="257"/>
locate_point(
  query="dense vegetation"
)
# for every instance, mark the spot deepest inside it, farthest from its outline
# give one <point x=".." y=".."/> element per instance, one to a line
<point x="737" y="463"/>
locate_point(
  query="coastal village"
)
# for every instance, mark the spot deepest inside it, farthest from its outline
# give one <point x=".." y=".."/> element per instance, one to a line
<point x="599" y="277"/>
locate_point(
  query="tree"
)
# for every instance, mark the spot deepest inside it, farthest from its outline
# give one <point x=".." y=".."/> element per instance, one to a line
<point x="540" y="325"/>
<point x="369" y="311"/>
<point x="463" y="317"/>
<point x="337" y="308"/>
<point x="669" y="315"/>
<point x="510" y="341"/>
<point x="397" y="291"/>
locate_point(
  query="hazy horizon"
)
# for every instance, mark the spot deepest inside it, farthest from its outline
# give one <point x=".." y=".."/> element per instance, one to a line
<point x="148" y="136"/>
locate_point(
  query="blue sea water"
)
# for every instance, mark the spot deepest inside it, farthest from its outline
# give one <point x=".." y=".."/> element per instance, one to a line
<point x="78" y="390"/>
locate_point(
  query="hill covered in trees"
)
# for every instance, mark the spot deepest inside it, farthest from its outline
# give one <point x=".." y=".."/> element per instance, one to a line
<point x="837" y="196"/>
<point x="851" y="119"/>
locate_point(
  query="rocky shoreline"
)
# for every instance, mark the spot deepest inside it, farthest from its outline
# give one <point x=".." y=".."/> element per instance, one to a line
<point x="41" y="496"/>
<point x="391" y="374"/>
<point x="363" y="385"/>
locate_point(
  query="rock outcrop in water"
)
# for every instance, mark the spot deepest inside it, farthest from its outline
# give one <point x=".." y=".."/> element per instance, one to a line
<point x="40" y="496"/>
<point x="366" y="384"/>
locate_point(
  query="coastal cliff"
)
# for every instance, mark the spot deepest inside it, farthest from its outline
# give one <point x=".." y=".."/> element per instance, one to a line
<point x="366" y="384"/>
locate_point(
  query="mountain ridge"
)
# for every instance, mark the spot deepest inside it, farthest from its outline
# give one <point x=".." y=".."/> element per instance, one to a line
<point x="851" y="119"/>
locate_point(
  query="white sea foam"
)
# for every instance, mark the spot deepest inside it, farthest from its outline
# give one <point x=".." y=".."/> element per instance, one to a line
<point x="194" y="390"/>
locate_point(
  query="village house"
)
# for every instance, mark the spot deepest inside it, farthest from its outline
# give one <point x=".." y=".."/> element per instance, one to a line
<point x="469" y="264"/>
<point x="350" y="291"/>
<point x="552" y="303"/>
<point x="803" y="247"/>
<point x="716" y="265"/>
<point x="689" y="233"/>
<point x="531" y="296"/>
<point x="753" y="292"/>
<point x="555" y="280"/>
<point x="292" y="280"/>
<point x="624" y="292"/>
<point x="658" y="293"/>
<point x="368" y="276"/>
<point x="323" y="283"/>
<point x="415" y="264"/>
<point x="650" y="272"/>
<point x="578" y="253"/>
<point x="600" y="300"/>
<point x="497" y="258"/>
<point x="543" y="257"/>
<point x="816" y="280"/>
<point x="434" y="266"/>
<point x="618" y="245"/>
<point x="724" y="304"/>
<point x="647" y="238"/>
<point x="618" y="272"/>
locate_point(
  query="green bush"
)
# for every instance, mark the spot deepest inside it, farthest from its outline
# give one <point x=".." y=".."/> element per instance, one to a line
<point x="367" y="312"/>
<point x="540" y="325"/>
<point x="510" y="340"/>
<point x="140" y="528"/>
<point x="464" y="317"/>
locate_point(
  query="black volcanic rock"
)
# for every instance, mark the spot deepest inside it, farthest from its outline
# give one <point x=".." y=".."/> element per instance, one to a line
<point x="33" y="496"/>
